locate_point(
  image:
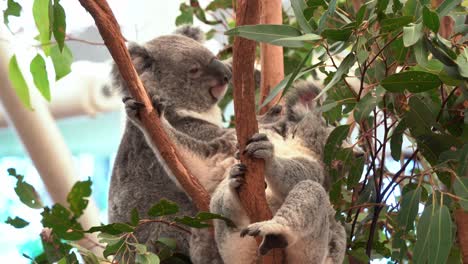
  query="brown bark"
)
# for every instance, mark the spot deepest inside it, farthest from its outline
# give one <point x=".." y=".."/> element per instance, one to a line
<point x="271" y="56"/>
<point x="110" y="32"/>
<point x="253" y="194"/>
<point x="461" y="219"/>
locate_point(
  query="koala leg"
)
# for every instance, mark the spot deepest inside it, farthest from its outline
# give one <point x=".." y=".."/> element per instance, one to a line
<point x="225" y="201"/>
<point x="203" y="247"/>
<point x="301" y="225"/>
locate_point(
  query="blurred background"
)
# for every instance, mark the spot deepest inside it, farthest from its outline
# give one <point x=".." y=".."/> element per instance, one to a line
<point x="84" y="107"/>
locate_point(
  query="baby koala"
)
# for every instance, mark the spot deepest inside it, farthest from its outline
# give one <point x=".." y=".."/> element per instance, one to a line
<point x="297" y="184"/>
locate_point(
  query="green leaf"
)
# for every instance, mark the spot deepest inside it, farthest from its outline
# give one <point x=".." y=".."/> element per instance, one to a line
<point x="112" y="249"/>
<point x="147" y="258"/>
<point x="296" y="41"/>
<point x="462" y="63"/>
<point x="60" y="25"/>
<point x="446" y="6"/>
<point x="391" y="24"/>
<point x="266" y="33"/>
<point x="40" y="77"/>
<point x="420" y="53"/>
<point x="18" y="82"/>
<point x="201" y="220"/>
<point x="365" y="106"/>
<point x="112" y="229"/>
<point x="186" y="15"/>
<point x="134" y="217"/>
<point x="411" y="34"/>
<point x="62" y="222"/>
<point x="77" y="197"/>
<point x="334" y="142"/>
<point x="13" y="9"/>
<point x="360" y="255"/>
<point x="163" y="207"/>
<point x="431" y="20"/>
<point x="409" y="209"/>
<point x="41" y="18"/>
<point x="461" y="190"/>
<point x="289" y="79"/>
<point x="26" y="191"/>
<point x="434" y="235"/>
<point x="17" y="222"/>
<point x="355" y="173"/>
<point x="410" y="7"/>
<point x="62" y="61"/>
<point x="343" y="69"/>
<point x="168" y="242"/>
<point x="330" y="10"/>
<point x="298" y="7"/>
<point x="337" y="34"/>
<point x="413" y="81"/>
<point x="397" y="140"/>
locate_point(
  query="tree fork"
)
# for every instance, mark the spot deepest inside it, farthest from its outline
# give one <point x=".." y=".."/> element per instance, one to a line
<point x="252" y="195"/>
<point x="271" y="57"/>
<point x="112" y="36"/>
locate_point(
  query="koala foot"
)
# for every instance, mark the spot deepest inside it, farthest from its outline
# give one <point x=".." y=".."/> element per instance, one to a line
<point x="260" y="147"/>
<point x="274" y="235"/>
<point x="132" y="108"/>
<point x="159" y="103"/>
<point x="236" y="176"/>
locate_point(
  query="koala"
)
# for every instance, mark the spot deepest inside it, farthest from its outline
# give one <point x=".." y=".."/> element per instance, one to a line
<point x="297" y="184"/>
<point x="296" y="181"/>
<point x="178" y="70"/>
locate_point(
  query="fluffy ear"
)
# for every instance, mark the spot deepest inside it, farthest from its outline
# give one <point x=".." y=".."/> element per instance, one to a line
<point x="300" y="99"/>
<point x="192" y="32"/>
<point x="141" y="60"/>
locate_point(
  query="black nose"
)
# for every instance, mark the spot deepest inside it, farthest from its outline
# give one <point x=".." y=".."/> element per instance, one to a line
<point x="219" y="70"/>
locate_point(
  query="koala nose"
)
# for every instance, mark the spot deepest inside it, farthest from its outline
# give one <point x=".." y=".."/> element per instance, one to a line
<point x="219" y="70"/>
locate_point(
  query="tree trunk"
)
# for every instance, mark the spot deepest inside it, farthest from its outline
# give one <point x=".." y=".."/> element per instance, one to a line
<point x="253" y="194"/>
<point x="112" y="36"/>
<point x="271" y="56"/>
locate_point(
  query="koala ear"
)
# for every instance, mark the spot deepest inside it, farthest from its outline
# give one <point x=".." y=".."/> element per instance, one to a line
<point x="140" y="57"/>
<point x="192" y="32"/>
<point x="300" y="99"/>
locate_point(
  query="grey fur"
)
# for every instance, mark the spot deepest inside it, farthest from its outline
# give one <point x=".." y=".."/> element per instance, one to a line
<point x="183" y="72"/>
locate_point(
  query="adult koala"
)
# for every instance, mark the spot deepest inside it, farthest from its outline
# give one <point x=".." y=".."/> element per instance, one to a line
<point x="181" y="71"/>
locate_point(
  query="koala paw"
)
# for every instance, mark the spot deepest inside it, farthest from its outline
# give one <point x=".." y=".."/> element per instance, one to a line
<point x="236" y="176"/>
<point x="260" y="147"/>
<point x="159" y="103"/>
<point x="225" y="144"/>
<point x="274" y="235"/>
<point x="132" y="108"/>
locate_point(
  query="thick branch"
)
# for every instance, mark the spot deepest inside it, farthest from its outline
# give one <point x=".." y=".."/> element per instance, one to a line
<point x="110" y="32"/>
<point x="271" y="56"/>
<point x="253" y="194"/>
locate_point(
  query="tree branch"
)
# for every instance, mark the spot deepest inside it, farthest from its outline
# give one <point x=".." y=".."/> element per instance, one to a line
<point x="252" y="195"/>
<point x="271" y="56"/>
<point x="112" y="36"/>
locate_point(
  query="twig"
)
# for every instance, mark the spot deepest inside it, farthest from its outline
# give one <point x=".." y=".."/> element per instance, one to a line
<point x="174" y="224"/>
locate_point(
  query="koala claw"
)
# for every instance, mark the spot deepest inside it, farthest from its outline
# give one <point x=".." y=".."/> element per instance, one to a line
<point x="132" y="107"/>
<point x="159" y="104"/>
<point x="272" y="233"/>
<point x="259" y="147"/>
<point x="236" y="175"/>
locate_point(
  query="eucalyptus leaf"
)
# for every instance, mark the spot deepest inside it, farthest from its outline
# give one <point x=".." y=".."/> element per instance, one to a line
<point x="431" y="20"/>
<point x="413" y="81"/>
<point x="411" y="34"/>
<point x="397" y="140"/>
<point x="266" y="33"/>
<point x="18" y="82"/>
<point x="337" y="34"/>
<point x="60" y="25"/>
<point x="163" y="207"/>
<point x="296" y="41"/>
<point x="461" y="190"/>
<point x="62" y="61"/>
<point x="13" y="9"/>
<point x="25" y="191"/>
<point x="77" y="197"/>
<point x="446" y="6"/>
<point x="17" y="222"/>
<point x="41" y="18"/>
<point x="298" y="7"/>
<point x="343" y="69"/>
<point x="334" y="142"/>
<point x="409" y="209"/>
<point x="40" y="77"/>
<point x="391" y="24"/>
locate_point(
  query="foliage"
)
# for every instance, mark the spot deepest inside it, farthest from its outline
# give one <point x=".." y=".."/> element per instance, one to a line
<point x="62" y="230"/>
<point x="408" y="110"/>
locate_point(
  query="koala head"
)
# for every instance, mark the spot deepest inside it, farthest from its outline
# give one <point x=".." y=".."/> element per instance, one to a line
<point x="181" y="70"/>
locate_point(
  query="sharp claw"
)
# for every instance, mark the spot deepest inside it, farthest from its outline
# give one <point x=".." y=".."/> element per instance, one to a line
<point x="244" y="232"/>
